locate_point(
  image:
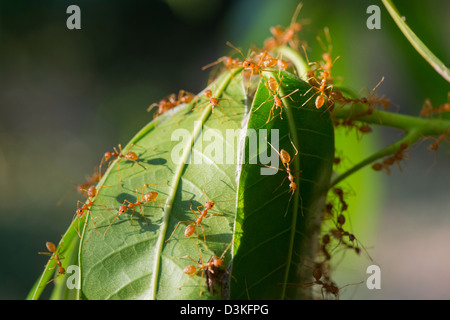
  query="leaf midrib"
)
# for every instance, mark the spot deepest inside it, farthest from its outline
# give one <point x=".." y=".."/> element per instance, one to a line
<point x="294" y="137"/>
<point x="177" y="178"/>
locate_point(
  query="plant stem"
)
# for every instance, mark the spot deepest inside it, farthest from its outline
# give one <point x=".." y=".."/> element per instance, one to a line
<point x="413" y="135"/>
<point x="414" y="127"/>
<point x="421" y="48"/>
<point x="299" y="63"/>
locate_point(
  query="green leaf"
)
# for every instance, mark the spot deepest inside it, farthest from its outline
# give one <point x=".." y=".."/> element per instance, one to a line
<point x="136" y="262"/>
<point x="276" y="235"/>
<point x="191" y="155"/>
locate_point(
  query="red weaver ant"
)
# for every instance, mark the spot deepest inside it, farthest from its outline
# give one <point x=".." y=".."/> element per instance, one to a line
<point x="171" y="101"/>
<point x="214" y="102"/>
<point x="203" y="214"/>
<point x="213" y="265"/>
<point x="287" y="36"/>
<point x="130" y="156"/>
<point x="91" y="196"/>
<point x="428" y="108"/>
<point x="277" y="103"/>
<point x="435" y="145"/>
<point x="145" y="198"/>
<point x="54" y="255"/>
<point x="287" y="161"/>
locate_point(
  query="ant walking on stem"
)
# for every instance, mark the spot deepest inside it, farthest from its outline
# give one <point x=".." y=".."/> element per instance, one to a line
<point x="428" y="108"/>
<point x="212" y="266"/>
<point x="389" y="161"/>
<point x="203" y="214"/>
<point x="435" y="145"/>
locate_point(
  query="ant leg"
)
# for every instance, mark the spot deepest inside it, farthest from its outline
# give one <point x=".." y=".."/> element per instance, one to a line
<point x="140" y="208"/>
<point x="262" y="104"/>
<point x="311" y="95"/>
<point x="131" y="219"/>
<point x="280" y="184"/>
<point x="117" y="216"/>
<point x="295" y="148"/>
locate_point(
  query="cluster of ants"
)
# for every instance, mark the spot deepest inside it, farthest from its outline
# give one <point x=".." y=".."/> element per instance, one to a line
<point x="389" y="161"/>
<point x="91" y="193"/>
<point x="427" y="111"/>
<point x="321" y="80"/>
<point x="335" y="212"/>
<point x="213" y="268"/>
<point x="255" y="62"/>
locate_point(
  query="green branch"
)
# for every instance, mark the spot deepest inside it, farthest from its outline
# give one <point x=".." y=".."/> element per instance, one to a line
<point x="421" y="48"/>
<point x="415" y="128"/>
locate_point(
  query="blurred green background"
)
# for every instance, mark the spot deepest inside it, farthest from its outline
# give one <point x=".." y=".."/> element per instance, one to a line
<point x="67" y="96"/>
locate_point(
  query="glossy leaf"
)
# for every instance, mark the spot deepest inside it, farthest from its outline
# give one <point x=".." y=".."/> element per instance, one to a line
<point x="197" y="153"/>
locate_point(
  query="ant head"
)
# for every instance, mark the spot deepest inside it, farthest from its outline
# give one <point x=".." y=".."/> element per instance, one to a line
<point x="132" y="156"/>
<point x="62" y="270"/>
<point x="209" y="205"/>
<point x="217" y="262"/>
<point x="150" y="196"/>
<point x="79" y="212"/>
<point x="190" y="269"/>
<point x="337" y="95"/>
<point x="247" y="64"/>
<point x="107" y="155"/>
<point x="341" y="219"/>
<point x="214" y="101"/>
<point x="122" y="209"/>
<point x="293" y="186"/>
